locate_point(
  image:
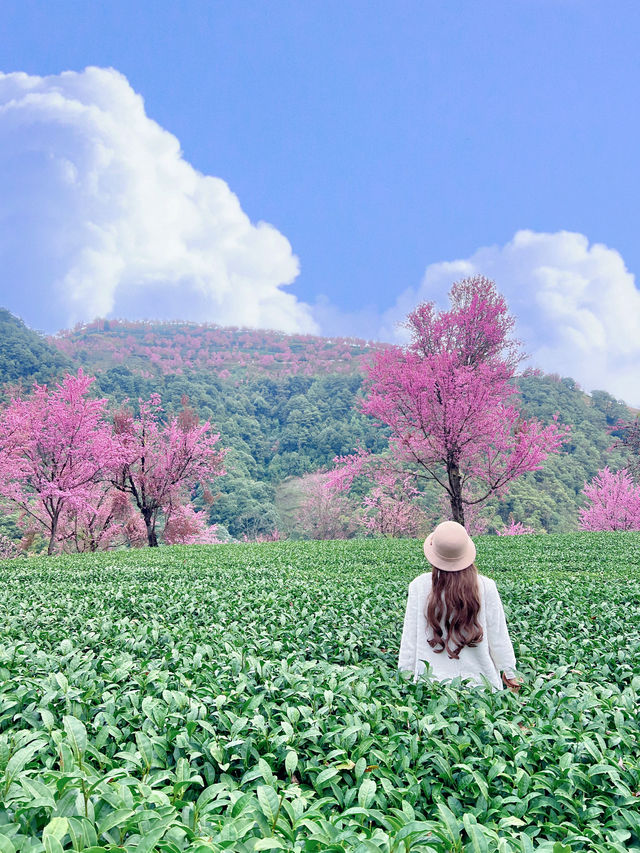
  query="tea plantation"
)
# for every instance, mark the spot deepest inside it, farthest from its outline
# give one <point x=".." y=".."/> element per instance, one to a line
<point x="246" y="697"/>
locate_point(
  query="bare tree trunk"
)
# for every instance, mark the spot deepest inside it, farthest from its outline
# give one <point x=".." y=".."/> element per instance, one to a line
<point x="52" y="538"/>
<point x="457" y="507"/>
<point x="152" y="539"/>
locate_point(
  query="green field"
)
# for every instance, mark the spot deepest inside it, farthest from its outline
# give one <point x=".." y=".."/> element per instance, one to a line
<point x="246" y="697"/>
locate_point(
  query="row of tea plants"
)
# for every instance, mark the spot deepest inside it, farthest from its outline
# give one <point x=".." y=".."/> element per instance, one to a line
<point x="247" y="697"/>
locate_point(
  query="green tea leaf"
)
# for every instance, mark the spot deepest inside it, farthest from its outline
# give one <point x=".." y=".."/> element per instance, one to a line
<point x="77" y="734"/>
<point x="269" y="802"/>
<point x="6" y="845"/>
<point x="119" y="817"/>
<point x="20" y="759"/>
<point x="271" y="843"/>
<point x="451" y="822"/>
<point x="366" y="793"/>
<point x="291" y="762"/>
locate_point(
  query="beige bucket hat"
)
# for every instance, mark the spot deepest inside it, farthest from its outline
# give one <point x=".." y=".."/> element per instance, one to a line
<point x="449" y="547"/>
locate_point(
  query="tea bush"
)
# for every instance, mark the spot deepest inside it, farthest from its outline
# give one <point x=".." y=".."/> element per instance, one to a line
<point x="247" y="697"/>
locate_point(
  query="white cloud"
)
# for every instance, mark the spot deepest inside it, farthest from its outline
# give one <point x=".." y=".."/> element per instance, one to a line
<point x="577" y="306"/>
<point x="100" y="215"/>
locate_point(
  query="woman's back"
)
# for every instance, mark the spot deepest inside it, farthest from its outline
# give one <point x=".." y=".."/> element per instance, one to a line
<point x="493" y="653"/>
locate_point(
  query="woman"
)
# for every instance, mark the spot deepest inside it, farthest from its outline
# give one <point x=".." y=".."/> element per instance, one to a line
<point x="454" y="619"/>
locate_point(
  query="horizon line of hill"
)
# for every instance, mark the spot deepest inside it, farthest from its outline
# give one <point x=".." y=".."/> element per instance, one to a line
<point x="286" y="405"/>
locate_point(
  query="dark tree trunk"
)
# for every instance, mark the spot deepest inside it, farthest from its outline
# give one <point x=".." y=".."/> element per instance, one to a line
<point x="149" y="521"/>
<point x="52" y="538"/>
<point x="457" y="507"/>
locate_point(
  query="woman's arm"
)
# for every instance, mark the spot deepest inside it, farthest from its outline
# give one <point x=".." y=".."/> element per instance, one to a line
<point x="500" y="646"/>
<point x="407" y="655"/>
<point x="512" y="683"/>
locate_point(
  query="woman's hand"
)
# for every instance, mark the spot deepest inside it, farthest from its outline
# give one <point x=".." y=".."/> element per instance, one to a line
<point x="512" y="683"/>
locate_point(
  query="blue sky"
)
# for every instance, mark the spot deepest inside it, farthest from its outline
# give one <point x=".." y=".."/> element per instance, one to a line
<point x="392" y="147"/>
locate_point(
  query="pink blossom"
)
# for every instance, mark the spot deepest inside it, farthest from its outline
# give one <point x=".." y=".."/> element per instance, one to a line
<point x="446" y="398"/>
<point x="54" y="449"/>
<point x="163" y="460"/>
<point x="613" y="502"/>
<point x="389" y="507"/>
<point x="515" y="528"/>
<point x="325" y="513"/>
<point x="185" y="526"/>
<point x="109" y="521"/>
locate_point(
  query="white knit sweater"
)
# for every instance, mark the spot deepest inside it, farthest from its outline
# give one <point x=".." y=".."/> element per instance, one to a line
<point x="493" y="654"/>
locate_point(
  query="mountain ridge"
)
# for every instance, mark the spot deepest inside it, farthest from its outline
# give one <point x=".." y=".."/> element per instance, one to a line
<point x="286" y="405"/>
<point x="176" y="346"/>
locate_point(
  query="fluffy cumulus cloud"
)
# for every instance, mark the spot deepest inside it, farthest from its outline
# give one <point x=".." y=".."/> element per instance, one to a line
<point x="577" y="306"/>
<point x="100" y="215"/>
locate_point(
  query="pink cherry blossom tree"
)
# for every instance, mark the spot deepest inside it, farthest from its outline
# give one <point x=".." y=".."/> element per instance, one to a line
<point x="185" y="526"/>
<point x="55" y="446"/>
<point x="163" y="459"/>
<point x="107" y="521"/>
<point x="389" y="507"/>
<point x="613" y="502"/>
<point x="515" y="528"/>
<point x="448" y="399"/>
<point x="8" y="549"/>
<point x="629" y="438"/>
<point x="323" y="512"/>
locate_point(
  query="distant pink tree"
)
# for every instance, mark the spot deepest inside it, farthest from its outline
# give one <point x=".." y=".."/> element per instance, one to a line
<point x="8" y="549"/>
<point x="347" y="469"/>
<point x="163" y="459"/>
<point x="629" y="438"/>
<point x="274" y="536"/>
<point x="54" y="448"/>
<point x="389" y="507"/>
<point x="515" y="528"/>
<point x="613" y="502"/>
<point x="185" y="526"/>
<point x="447" y="398"/>
<point x="324" y="513"/>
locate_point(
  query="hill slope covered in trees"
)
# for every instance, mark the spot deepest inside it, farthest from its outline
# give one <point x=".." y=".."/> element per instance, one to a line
<point x="160" y="349"/>
<point x="286" y="405"/>
<point x="25" y="356"/>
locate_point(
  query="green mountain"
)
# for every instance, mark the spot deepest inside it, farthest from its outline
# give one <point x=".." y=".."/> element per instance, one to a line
<point x="26" y="356"/>
<point x="286" y="405"/>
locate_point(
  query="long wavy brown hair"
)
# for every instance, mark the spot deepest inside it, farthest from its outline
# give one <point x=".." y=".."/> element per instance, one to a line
<point x="456" y="596"/>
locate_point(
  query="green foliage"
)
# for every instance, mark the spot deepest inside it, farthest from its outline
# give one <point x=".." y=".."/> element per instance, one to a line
<point x="289" y="426"/>
<point x="25" y="356"/>
<point x="549" y="499"/>
<point x="247" y="697"/>
<point x="277" y="428"/>
<point x="9" y="526"/>
<point x="283" y="426"/>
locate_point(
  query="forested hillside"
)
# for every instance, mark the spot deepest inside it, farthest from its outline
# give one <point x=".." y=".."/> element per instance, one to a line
<point x="152" y="349"/>
<point x="286" y="405"/>
<point x="25" y="356"/>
